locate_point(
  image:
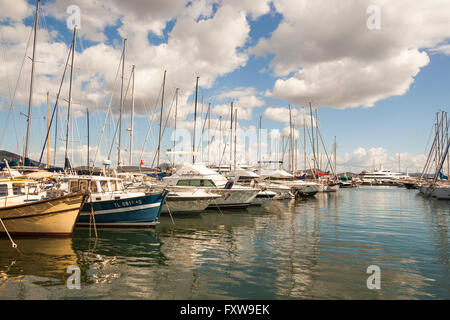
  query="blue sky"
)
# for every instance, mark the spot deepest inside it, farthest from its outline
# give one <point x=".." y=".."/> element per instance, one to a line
<point x="260" y="60"/>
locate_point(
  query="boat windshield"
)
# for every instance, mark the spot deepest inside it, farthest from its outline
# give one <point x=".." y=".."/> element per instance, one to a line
<point x="196" y="183"/>
<point x="104" y="186"/>
<point x="3" y="190"/>
<point x="18" y="189"/>
<point x="33" y="189"/>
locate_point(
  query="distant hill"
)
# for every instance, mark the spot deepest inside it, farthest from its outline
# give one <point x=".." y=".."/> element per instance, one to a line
<point x="10" y="156"/>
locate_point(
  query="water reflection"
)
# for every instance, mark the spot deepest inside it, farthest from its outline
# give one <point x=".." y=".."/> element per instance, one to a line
<point x="315" y="248"/>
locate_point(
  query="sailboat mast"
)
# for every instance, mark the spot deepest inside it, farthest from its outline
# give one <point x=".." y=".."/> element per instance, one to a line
<point x="30" y="100"/>
<point x="235" y="137"/>
<point x="132" y="116"/>
<point x="175" y="127"/>
<point x="56" y="137"/>
<point x="304" y="139"/>
<point x="259" y="145"/>
<point x="209" y="128"/>
<point x="48" y="124"/>
<point x="312" y="133"/>
<point x="317" y="142"/>
<point x="231" y="132"/>
<point x="121" y="103"/>
<point x="88" y="136"/>
<point x="66" y="159"/>
<point x="160" y="118"/>
<point x="335" y="155"/>
<point x="291" y="154"/>
<point x="195" y="120"/>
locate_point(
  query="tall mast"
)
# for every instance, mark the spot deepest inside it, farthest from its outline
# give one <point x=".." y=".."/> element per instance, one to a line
<point x="88" y="136"/>
<point x="66" y="159"/>
<point x="220" y="139"/>
<point x="175" y="128"/>
<point x="48" y="124"/>
<point x="56" y="137"/>
<point x="317" y="141"/>
<point x="291" y="154"/>
<point x="235" y="137"/>
<point x="195" y="120"/>
<point x="304" y="139"/>
<point x="121" y="103"/>
<point x="259" y="145"/>
<point x="335" y="155"/>
<point x="448" y="157"/>
<point x="312" y="133"/>
<point x="231" y="132"/>
<point x="160" y="117"/>
<point x="30" y="100"/>
<point x="132" y="117"/>
<point x="209" y="128"/>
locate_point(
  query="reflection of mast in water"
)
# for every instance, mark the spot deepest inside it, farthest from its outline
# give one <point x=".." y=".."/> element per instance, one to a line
<point x="437" y="218"/>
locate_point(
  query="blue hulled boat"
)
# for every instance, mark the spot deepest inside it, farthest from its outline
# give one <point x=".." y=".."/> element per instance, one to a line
<point x="112" y="206"/>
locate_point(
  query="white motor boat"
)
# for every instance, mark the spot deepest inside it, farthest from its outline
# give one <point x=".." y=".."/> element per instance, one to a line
<point x="191" y="177"/>
<point x="176" y="201"/>
<point x="298" y="188"/>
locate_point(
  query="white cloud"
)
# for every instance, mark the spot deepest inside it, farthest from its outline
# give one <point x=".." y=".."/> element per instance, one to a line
<point x="331" y="58"/>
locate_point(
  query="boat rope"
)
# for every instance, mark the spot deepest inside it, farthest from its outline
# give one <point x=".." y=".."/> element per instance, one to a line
<point x="217" y="206"/>
<point x="13" y="244"/>
<point x="170" y="213"/>
<point x="93" y="219"/>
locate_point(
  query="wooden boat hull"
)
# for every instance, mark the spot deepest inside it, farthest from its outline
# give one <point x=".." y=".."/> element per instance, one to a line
<point x="51" y="217"/>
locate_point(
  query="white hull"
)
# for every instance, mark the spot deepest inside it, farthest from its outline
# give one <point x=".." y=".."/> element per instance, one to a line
<point x="441" y="193"/>
<point x="230" y="198"/>
<point x="188" y="202"/>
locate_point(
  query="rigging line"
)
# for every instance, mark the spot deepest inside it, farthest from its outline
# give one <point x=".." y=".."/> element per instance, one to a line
<point x="56" y="103"/>
<point x="324" y="147"/>
<point x="11" y="107"/>
<point x="203" y="130"/>
<point x="165" y="123"/>
<point x="118" y="122"/>
<point x="151" y="121"/>
<point x="106" y="115"/>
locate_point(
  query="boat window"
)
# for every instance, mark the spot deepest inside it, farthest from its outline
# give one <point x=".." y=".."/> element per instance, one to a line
<point x="33" y="189"/>
<point x="3" y="190"/>
<point x="83" y="185"/>
<point x="208" y="183"/>
<point x="18" y="189"/>
<point x="183" y="183"/>
<point x="94" y="186"/>
<point x="113" y="186"/>
<point x="195" y="183"/>
<point x="74" y="186"/>
<point x="104" y="186"/>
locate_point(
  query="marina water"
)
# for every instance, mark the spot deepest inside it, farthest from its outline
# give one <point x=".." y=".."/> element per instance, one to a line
<point x="318" y="248"/>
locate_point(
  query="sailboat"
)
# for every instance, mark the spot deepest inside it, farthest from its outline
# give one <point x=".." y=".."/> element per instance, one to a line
<point x="25" y="209"/>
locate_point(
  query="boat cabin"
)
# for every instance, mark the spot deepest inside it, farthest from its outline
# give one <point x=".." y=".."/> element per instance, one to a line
<point x="19" y="191"/>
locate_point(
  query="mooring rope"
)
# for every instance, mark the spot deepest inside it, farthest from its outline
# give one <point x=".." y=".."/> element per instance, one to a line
<point x="13" y="244"/>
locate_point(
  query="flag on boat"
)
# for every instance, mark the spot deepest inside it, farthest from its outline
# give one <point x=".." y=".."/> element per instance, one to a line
<point x="442" y="176"/>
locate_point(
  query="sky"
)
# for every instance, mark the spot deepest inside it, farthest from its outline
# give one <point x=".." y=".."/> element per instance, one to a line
<point x="376" y="71"/>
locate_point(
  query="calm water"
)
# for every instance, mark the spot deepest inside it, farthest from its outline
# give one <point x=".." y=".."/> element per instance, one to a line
<point x="314" y="249"/>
